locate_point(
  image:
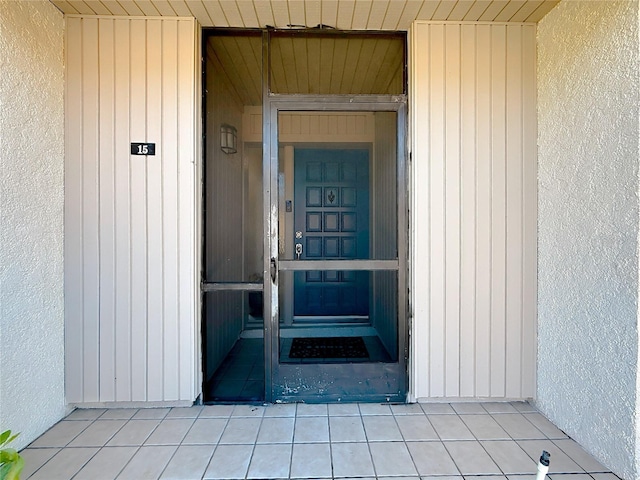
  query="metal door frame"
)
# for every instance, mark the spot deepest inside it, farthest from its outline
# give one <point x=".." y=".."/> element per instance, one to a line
<point x="272" y="105"/>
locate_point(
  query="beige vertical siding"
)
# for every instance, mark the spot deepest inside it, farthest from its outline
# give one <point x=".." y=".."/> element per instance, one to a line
<point x="130" y="221"/>
<point x="474" y="210"/>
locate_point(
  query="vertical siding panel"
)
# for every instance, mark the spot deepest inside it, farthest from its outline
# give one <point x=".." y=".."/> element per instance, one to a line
<point x="107" y="372"/>
<point x="480" y="209"/>
<point x="139" y="287"/>
<point x="170" y="204"/>
<point x="130" y="288"/>
<point x="514" y="213"/>
<point x="420" y="203"/>
<point x="74" y="294"/>
<point x="437" y="209"/>
<point x="123" y="274"/>
<point x="155" y="279"/>
<point x="452" y="207"/>
<point x="498" y="210"/>
<point x="186" y="166"/>
<point x="483" y="212"/>
<point x="90" y="212"/>
<point x="529" y="214"/>
<point x="468" y="211"/>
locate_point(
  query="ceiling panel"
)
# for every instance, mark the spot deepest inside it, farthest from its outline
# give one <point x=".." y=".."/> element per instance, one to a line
<point x="344" y="14"/>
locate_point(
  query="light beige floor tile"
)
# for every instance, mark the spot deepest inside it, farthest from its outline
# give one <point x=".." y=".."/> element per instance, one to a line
<point x="106" y="464"/>
<point x="484" y="477"/>
<point x="431" y="458"/>
<point x="351" y="460"/>
<point x="34" y="458"/>
<point x="605" y="476"/>
<point x="205" y="431"/>
<point x="65" y="464"/>
<point x="560" y="462"/>
<point x="151" y="414"/>
<point x="518" y="427"/>
<point x="241" y="431"/>
<point x="61" y="433"/>
<point x="270" y="461"/>
<point x="450" y="427"/>
<point x="381" y="428"/>
<point x="416" y="428"/>
<point x="581" y="457"/>
<point x="148" y="463"/>
<point x="248" y="411"/>
<point x="85" y="414"/>
<point x="311" y="460"/>
<point x="134" y="433"/>
<point x="545" y="426"/>
<point x="407" y="409"/>
<point x="437" y="408"/>
<point x="184" y="412"/>
<point x="281" y="410"/>
<point x="346" y="429"/>
<point x="229" y="462"/>
<point x="343" y="409"/>
<point x="391" y="458"/>
<point x="484" y="427"/>
<point x="471" y="458"/>
<point x="467" y="408"/>
<point x="170" y="431"/>
<point x="311" y="430"/>
<point x="499" y="407"/>
<point x="119" y="414"/>
<point x="448" y="477"/>
<point x="307" y="410"/>
<point x="189" y="461"/>
<point x="412" y="477"/>
<point x="374" y="409"/>
<point x="216" y="411"/>
<point x="98" y="433"/>
<point x="510" y="457"/>
<point x="524" y="407"/>
<point x="570" y="476"/>
<point x="276" y="430"/>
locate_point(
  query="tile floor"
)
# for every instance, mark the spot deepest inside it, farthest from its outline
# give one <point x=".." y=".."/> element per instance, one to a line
<point x="240" y="378"/>
<point x="342" y="441"/>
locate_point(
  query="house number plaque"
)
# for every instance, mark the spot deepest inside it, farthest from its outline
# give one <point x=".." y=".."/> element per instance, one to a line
<point x="143" y="149"/>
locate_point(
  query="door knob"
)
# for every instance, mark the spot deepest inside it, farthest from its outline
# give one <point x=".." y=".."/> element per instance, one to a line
<point x="298" y="250"/>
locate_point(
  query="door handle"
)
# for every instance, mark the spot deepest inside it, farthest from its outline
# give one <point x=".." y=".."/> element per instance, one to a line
<point x="274" y="269"/>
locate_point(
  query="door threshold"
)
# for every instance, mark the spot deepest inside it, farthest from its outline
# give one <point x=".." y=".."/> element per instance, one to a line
<point x="328" y="331"/>
<point x="318" y="331"/>
<point x="331" y="319"/>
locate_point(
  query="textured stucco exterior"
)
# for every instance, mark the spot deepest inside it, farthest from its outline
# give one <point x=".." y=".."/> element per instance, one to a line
<point x="588" y="103"/>
<point x="31" y="208"/>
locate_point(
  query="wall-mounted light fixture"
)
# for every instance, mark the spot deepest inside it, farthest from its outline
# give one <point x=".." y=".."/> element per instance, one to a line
<point x="228" y="138"/>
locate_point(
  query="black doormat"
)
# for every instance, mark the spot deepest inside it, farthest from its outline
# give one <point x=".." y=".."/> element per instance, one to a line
<point x="328" y="347"/>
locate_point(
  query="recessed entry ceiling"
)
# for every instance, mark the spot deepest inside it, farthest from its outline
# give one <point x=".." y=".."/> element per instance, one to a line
<point x="322" y="65"/>
<point x="341" y="14"/>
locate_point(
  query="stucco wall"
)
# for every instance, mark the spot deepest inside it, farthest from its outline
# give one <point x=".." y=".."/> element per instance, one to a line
<point x="31" y="208"/>
<point x="588" y="226"/>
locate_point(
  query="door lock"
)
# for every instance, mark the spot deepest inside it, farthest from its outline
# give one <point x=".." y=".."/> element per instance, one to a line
<point x="298" y="250"/>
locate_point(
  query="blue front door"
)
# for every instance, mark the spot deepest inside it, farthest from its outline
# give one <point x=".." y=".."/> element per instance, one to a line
<point x="331" y="192"/>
